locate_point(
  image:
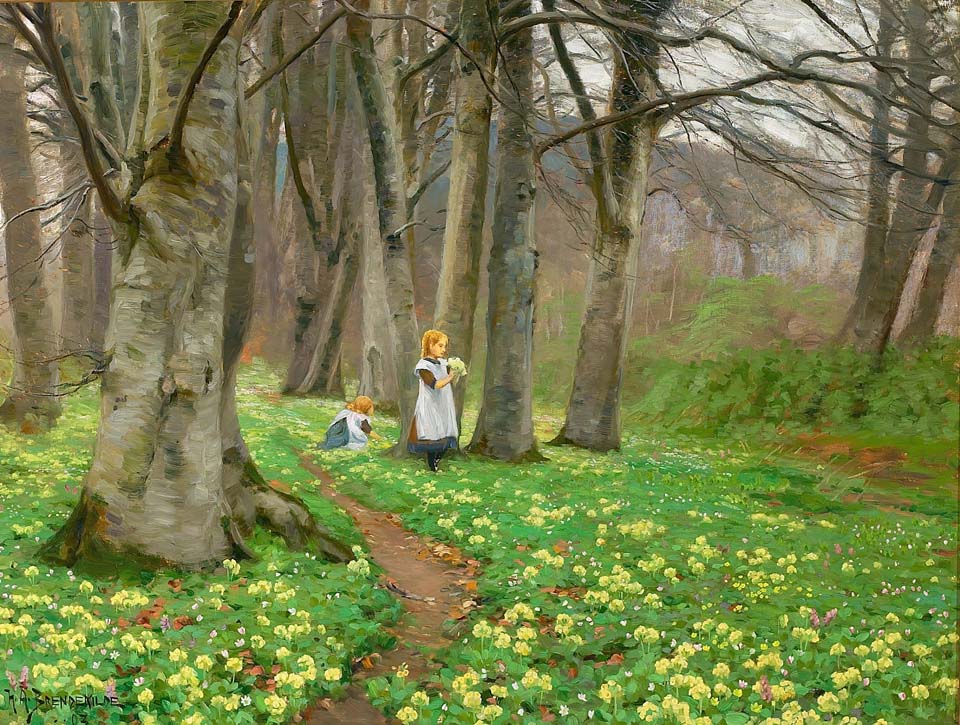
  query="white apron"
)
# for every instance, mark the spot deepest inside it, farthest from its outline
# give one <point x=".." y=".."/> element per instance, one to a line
<point x="436" y="413"/>
<point x="358" y="439"/>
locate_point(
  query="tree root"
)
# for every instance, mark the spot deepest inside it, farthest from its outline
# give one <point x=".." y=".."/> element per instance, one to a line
<point x="287" y="516"/>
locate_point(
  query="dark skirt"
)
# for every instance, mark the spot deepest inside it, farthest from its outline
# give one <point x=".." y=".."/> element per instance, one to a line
<point x="438" y="446"/>
<point x="423" y="445"/>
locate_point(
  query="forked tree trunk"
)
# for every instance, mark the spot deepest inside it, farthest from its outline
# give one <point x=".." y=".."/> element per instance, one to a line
<point x="466" y="202"/>
<point x="593" y="413"/>
<point x="505" y="426"/>
<point x="391" y="213"/>
<point x="155" y="490"/>
<point x="914" y="211"/>
<point x="943" y="258"/>
<point x="322" y="374"/>
<point x="31" y="400"/>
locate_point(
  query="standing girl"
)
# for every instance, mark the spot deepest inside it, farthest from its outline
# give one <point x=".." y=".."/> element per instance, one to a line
<point x="433" y="430"/>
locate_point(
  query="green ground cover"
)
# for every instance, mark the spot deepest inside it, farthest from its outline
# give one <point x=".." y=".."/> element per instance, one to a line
<point x="210" y="642"/>
<point x="671" y="581"/>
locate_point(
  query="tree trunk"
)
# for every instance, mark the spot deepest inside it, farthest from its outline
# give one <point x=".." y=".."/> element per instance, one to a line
<point x="104" y="246"/>
<point x="593" y="413"/>
<point x="77" y="246"/>
<point x="250" y="498"/>
<point x="322" y="374"/>
<point x="878" y="189"/>
<point x="505" y="426"/>
<point x="318" y="107"/>
<point x="31" y="400"/>
<point x="913" y="212"/>
<point x="466" y="202"/>
<point x="391" y="213"/>
<point x="943" y="258"/>
<point x="378" y="369"/>
<point x="154" y="491"/>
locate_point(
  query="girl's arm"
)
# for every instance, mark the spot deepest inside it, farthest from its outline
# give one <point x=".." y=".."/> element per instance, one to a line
<point x="445" y="381"/>
<point x="376" y="436"/>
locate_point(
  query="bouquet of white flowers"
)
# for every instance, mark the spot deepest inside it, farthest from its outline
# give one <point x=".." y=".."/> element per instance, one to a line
<point x="456" y="365"/>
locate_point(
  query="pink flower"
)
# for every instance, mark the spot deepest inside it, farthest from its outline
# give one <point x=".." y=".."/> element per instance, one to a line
<point x="866" y="681"/>
<point x="902" y="695"/>
<point x="766" y="693"/>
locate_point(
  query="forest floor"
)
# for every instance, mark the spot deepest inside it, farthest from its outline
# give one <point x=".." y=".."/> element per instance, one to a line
<point x="676" y="580"/>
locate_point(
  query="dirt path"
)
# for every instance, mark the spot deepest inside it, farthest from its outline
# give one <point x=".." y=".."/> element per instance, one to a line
<point x="426" y="584"/>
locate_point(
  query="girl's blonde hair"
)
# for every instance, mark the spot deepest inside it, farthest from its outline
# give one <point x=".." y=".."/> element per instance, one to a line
<point x="430" y="338"/>
<point x="361" y="404"/>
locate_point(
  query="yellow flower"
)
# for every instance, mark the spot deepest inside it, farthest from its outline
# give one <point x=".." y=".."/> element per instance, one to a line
<point x="145" y="697"/>
<point x="276" y="705"/>
<point x="86" y="587"/>
<point x="332" y="674"/>
<point x="828" y="702"/>
<point x="403" y="671"/>
<point x="203" y="662"/>
<point x="234" y="664"/>
<point x="920" y="692"/>
<point x="419" y="698"/>
<point x="482" y="630"/>
<point x="721" y="671"/>
<point x="178" y="655"/>
<point x="407" y="715"/>
<point x="471" y="700"/>
<point x="490" y="713"/>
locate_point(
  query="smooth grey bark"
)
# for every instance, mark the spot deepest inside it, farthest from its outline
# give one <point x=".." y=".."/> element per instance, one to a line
<point x="943" y="258"/>
<point x="458" y="284"/>
<point x="593" y="412"/>
<point x="504" y="427"/>
<point x="393" y="227"/>
<point x="31" y="398"/>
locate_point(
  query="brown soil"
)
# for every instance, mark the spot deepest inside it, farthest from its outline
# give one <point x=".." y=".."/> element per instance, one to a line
<point x="431" y="582"/>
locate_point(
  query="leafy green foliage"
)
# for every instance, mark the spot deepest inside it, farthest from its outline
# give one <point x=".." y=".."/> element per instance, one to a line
<point x="796" y="390"/>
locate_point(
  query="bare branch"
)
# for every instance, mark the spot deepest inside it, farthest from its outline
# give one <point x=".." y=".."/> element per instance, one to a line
<point x="186" y="95"/>
<point x="47" y="48"/>
<point x="291" y="57"/>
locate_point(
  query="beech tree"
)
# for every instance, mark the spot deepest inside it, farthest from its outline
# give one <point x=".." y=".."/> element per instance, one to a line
<point x="31" y="401"/>
<point x="156" y="487"/>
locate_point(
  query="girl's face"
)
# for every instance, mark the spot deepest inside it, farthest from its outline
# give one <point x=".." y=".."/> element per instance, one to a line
<point x="439" y="348"/>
